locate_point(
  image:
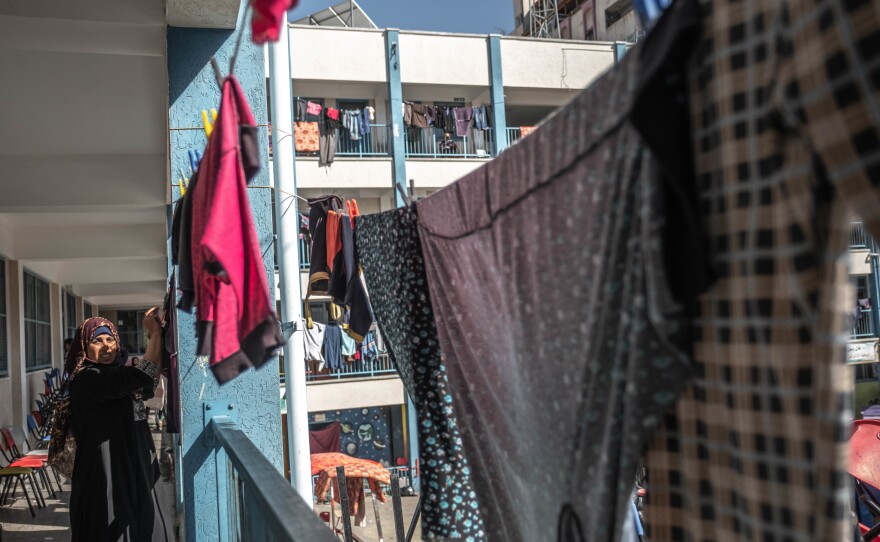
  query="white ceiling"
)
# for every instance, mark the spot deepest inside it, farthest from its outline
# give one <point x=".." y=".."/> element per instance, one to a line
<point x="83" y="152"/>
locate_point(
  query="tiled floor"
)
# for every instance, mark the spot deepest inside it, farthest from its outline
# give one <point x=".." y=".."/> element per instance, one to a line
<point x="53" y="522"/>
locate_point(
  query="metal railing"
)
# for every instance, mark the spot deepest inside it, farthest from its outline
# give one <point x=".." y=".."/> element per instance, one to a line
<point x="858" y="238"/>
<point x="376" y="143"/>
<point x="432" y="143"/>
<point x="305" y="255"/>
<point x="255" y="501"/>
<point x="380" y="366"/>
<point x="513" y="135"/>
<point x="864" y="326"/>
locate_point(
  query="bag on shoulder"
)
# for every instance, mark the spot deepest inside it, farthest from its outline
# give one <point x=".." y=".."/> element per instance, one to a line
<point x="62" y="445"/>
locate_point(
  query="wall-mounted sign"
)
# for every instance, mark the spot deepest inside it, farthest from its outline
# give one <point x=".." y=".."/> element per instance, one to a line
<point x="861" y="352"/>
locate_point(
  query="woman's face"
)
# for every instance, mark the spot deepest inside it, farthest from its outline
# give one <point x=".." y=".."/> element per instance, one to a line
<point x="103" y="349"/>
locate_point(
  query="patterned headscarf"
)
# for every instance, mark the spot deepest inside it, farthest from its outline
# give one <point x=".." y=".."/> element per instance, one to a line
<point x="88" y="330"/>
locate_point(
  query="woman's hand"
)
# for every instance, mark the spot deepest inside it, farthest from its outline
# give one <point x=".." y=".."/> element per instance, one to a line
<point x="151" y="323"/>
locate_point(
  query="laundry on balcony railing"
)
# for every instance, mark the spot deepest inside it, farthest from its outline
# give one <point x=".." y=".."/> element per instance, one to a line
<point x="863" y="322"/>
<point x="332" y="353"/>
<point x="435" y="143"/>
<point x="448" y="131"/>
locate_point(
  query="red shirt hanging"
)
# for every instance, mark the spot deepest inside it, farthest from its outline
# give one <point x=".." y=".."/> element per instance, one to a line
<point x="236" y="321"/>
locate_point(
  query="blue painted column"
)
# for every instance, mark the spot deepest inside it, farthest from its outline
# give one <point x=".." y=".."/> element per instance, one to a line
<point x="496" y="91"/>
<point x="620" y="49"/>
<point x="395" y="103"/>
<point x="255" y="394"/>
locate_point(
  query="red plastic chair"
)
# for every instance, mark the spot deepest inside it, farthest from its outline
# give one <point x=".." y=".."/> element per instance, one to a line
<point x="14" y="460"/>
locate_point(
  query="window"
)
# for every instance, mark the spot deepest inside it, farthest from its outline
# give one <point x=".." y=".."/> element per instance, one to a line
<point x="70" y="323"/>
<point x="4" y="352"/>
<point x="88" y="310"/>
<point x="130" y="332"/>
<point x="616" y="11"/>
<point x="37" y="323"/>
<point x="866" y="372"/>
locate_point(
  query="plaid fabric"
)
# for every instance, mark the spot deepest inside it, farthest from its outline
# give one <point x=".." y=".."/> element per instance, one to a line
<point x="785" y="116"/>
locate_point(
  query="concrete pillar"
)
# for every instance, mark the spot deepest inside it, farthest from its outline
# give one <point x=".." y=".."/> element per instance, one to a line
<point x="192" y="87"/>
<point x="15" y="316"/>
<point x="80" y="310"/>
<point x="56" y="317"/>
<point x="395" y="102"/>
<point x="496" y="91"/>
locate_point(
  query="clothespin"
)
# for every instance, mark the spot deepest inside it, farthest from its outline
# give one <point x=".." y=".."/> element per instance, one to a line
<point x="182" y="182"/>
<point x="209" y="124"/>
<point x="195" y="157"/>
<point x="353" y="211"/>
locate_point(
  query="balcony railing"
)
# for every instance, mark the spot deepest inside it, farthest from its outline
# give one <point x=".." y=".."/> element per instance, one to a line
<point x="858" y="238"/>
<point x="380" y="366"/>
<point x="376" y="143"/>
<point x="513" y="135"/>
<point x="255" y="501"/>
<point x="864" y="326"/>
<point x="305" y="255"/>
<point x="432" y="143"/>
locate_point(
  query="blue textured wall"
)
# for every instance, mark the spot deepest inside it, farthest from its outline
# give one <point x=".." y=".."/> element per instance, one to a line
<point x="192" y="87"/>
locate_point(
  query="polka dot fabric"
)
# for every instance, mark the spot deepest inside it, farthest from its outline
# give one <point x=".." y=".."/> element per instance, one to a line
<point x="391" y="256"/>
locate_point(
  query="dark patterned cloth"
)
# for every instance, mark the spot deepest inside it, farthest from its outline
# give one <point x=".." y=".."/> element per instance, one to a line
<point x="562" y="339"/>
<point x="391" y="254"/>
<point x="785" y="99"/>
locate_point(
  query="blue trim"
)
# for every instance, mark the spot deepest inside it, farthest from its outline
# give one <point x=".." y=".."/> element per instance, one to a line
<point x="496" y="91"/>
<point x="619" y="51"/>
<point x="412" y="432"/>
<point x="395" y="102"/>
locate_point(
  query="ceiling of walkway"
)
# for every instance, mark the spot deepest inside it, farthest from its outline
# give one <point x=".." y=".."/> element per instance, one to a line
<point x="83" y="131"/>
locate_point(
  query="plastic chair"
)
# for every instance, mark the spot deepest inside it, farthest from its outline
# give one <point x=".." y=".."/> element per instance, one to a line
<point x="14" y="458"/>
<point x="17" y="435"/>
<point x="40" y="440"/>
<point x="15" y="476"/>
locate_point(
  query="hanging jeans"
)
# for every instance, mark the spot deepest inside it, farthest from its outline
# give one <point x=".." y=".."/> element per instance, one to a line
<point x="328" y="147"/>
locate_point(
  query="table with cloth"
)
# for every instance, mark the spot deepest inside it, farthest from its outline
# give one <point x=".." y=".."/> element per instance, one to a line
<point x="356" y="470"/>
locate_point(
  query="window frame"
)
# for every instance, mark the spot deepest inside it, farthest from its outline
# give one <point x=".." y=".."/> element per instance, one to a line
<point x="34" y="325"/>
<point x="4" y="320"/>
<point x="68" y="320"/>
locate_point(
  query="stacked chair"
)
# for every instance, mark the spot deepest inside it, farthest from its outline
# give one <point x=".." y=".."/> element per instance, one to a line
<point x="27" y="465"/>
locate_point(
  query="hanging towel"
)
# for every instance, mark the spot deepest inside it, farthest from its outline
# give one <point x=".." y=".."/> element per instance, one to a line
<point x="464" y="120"/>
<point x="313" y="339"/>
<point x="349" y="346"/>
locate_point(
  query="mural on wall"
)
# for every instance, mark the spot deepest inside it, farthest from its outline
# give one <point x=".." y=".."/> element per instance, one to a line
<point x="365" y="432"/>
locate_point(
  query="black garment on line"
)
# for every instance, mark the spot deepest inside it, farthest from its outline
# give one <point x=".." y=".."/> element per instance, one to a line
<point x="186" y="282"/>
<point x="115" y="455"/>
<point x="395" y="272"/>
<point x="346" y="287"/>
<point x="562" y="337"/>
<point x="319" y="270"/>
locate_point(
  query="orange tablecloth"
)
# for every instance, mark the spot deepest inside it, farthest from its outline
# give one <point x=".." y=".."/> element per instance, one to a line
<point x="324" y="465"/>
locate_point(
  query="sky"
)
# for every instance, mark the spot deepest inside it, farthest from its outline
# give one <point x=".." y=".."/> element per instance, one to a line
<point x="461" y="16"/>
